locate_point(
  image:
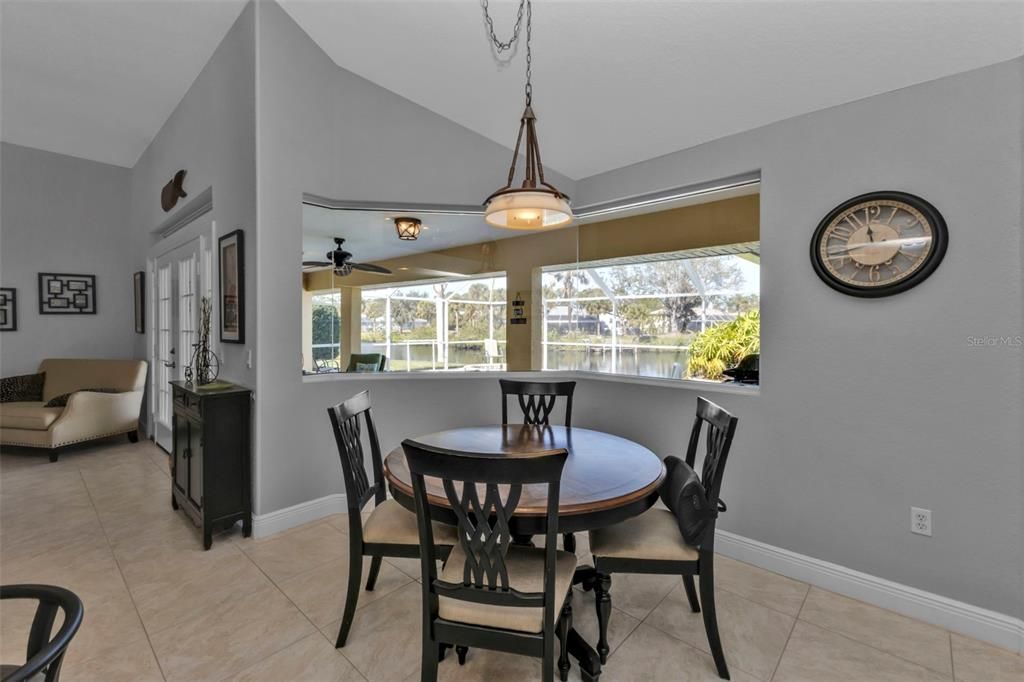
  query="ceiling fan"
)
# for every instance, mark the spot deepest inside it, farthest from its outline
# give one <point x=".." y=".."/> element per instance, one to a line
<point x="340" y="260"/>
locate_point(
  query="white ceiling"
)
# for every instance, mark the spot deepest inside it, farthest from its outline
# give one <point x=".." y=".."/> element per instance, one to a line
<point x="616" y="81"/>
<point x="620" y="81"/>
<point x="98" y="78"/>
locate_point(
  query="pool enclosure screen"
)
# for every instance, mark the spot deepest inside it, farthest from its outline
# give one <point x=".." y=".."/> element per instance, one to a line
<point x="449" y="324"/>
<point x="687" y="314"/>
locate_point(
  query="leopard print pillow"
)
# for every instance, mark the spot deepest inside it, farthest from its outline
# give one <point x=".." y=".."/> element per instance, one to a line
<point x="23" y="388"/>
<point x="62" y="399"/>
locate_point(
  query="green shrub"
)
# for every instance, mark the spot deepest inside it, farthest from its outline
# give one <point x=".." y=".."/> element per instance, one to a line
<point x="717" y="348"/>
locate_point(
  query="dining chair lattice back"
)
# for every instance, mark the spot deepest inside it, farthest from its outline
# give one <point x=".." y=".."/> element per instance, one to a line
<point x="45" y="653"/>
<point x="491" y="594"/>
<point x="537" y="401"/>
<point x="678" y="540"/>
<point x="391" y="529"/>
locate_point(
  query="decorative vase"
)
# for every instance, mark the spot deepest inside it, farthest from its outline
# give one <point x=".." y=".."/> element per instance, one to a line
<point x="205" y="361"/>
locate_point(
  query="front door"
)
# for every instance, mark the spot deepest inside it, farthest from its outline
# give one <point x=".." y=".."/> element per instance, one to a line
<point x="176" y="319"/>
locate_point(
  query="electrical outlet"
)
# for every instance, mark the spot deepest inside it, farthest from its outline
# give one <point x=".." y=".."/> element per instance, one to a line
<point x="921" y="521"/>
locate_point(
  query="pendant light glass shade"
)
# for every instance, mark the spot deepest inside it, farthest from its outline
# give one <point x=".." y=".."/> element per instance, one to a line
<point x="528" y="210"/>
<point x="537" y="204"/>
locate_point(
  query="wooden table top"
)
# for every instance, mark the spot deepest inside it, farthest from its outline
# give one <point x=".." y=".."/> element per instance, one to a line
<point x="601" y="472"/>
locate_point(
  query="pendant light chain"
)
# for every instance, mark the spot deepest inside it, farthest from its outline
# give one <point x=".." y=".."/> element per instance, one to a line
<point x="536" y="204"/>
<point x="501" y="46"/>
<point x="529" y="53"/>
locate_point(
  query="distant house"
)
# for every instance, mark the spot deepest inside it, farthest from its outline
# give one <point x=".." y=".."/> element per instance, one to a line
<point x="558" y="317"/>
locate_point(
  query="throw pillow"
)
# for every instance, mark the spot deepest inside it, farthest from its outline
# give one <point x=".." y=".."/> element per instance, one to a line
<point x="684" y="495"/>
<point x="62" y="400"/>
<point x="366" y="366"/>
<point x="22" y="388"/>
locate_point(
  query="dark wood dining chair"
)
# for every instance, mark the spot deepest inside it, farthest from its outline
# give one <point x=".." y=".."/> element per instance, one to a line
<point x="537" y="401"/>
<point x="391" y="528"/>
<point x="45" y="654"/>
<point x="492" y="594"/>
<point x="679" y="540"/>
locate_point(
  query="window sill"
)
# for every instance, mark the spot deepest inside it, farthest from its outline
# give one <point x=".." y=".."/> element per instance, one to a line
<point x="673" y="384"/>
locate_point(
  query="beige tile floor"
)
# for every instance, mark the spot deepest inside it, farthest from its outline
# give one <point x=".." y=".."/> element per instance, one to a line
<point x="160" y="608"/>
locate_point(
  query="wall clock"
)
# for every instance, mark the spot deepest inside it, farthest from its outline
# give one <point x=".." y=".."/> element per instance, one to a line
<point x="879" y="244"/>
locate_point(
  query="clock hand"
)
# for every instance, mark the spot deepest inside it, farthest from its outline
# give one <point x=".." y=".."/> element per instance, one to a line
<point x="900" y="243"/>
<point x="871" y="234"/>
<point x="847" y="249"/>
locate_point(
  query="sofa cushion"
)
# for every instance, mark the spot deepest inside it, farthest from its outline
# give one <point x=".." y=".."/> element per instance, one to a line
<point x="69" y="375"/>
<point x="25" y="387"/>
<point x="32" y="415"/>
<point x="62" y="399"/>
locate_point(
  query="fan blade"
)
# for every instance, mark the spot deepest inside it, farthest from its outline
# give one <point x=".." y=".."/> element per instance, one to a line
<point x="315" y="263"/>
<point x="370" y="267"/>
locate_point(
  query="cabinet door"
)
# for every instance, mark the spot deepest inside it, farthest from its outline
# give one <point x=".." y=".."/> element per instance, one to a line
<point x="195" y="463"/>
<point x="180" y="427"/>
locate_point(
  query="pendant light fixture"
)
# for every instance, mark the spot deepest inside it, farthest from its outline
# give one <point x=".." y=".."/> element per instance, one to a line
<point x="536" y="204"/>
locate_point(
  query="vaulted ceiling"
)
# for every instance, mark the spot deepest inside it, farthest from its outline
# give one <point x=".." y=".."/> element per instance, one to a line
<point x="97" y="79"/>
<point x="621" y="81"/>
<point x="616" y="81"/>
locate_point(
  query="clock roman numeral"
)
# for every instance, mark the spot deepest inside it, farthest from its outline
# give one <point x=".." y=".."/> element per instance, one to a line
<point x="842" y="231"/>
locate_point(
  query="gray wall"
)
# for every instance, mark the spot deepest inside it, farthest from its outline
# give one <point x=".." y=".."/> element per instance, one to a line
<point x="64" y="214"/>
<point x="211" y="134"/>
<point x="324" y="130"/>
<point x="870" y="406"/>
<point x="866" y="408"/>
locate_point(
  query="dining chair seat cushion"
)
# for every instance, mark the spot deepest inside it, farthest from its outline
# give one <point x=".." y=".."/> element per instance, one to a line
<point x="392" y="524"/>
<point x="525" y="573"/>
<point x="652" y="535"/>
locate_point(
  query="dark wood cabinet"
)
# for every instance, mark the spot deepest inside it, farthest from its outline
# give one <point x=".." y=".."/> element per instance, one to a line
<point x="210" y="460"/>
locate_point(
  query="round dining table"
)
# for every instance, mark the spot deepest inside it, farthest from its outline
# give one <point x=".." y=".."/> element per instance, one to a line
<point x="606" y="480"/>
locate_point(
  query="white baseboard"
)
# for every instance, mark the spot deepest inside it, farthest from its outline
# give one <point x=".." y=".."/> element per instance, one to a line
<point x="296" y="515"/>
<point x="973" y="621"/>
<point x="989" y="626"/>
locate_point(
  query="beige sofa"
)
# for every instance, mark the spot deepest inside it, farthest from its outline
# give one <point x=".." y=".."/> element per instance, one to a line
<point x="87" y="415"/>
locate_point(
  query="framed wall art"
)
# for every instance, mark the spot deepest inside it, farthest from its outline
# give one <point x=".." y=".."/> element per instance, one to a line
<point x="66" y="294"/>
<point x="139" y="292"/>
<point x="231" y="248"/>
<point x="8" y="310"/>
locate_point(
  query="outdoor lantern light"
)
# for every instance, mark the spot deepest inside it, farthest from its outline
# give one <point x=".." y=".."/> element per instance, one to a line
<point x="408" y="228"/>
